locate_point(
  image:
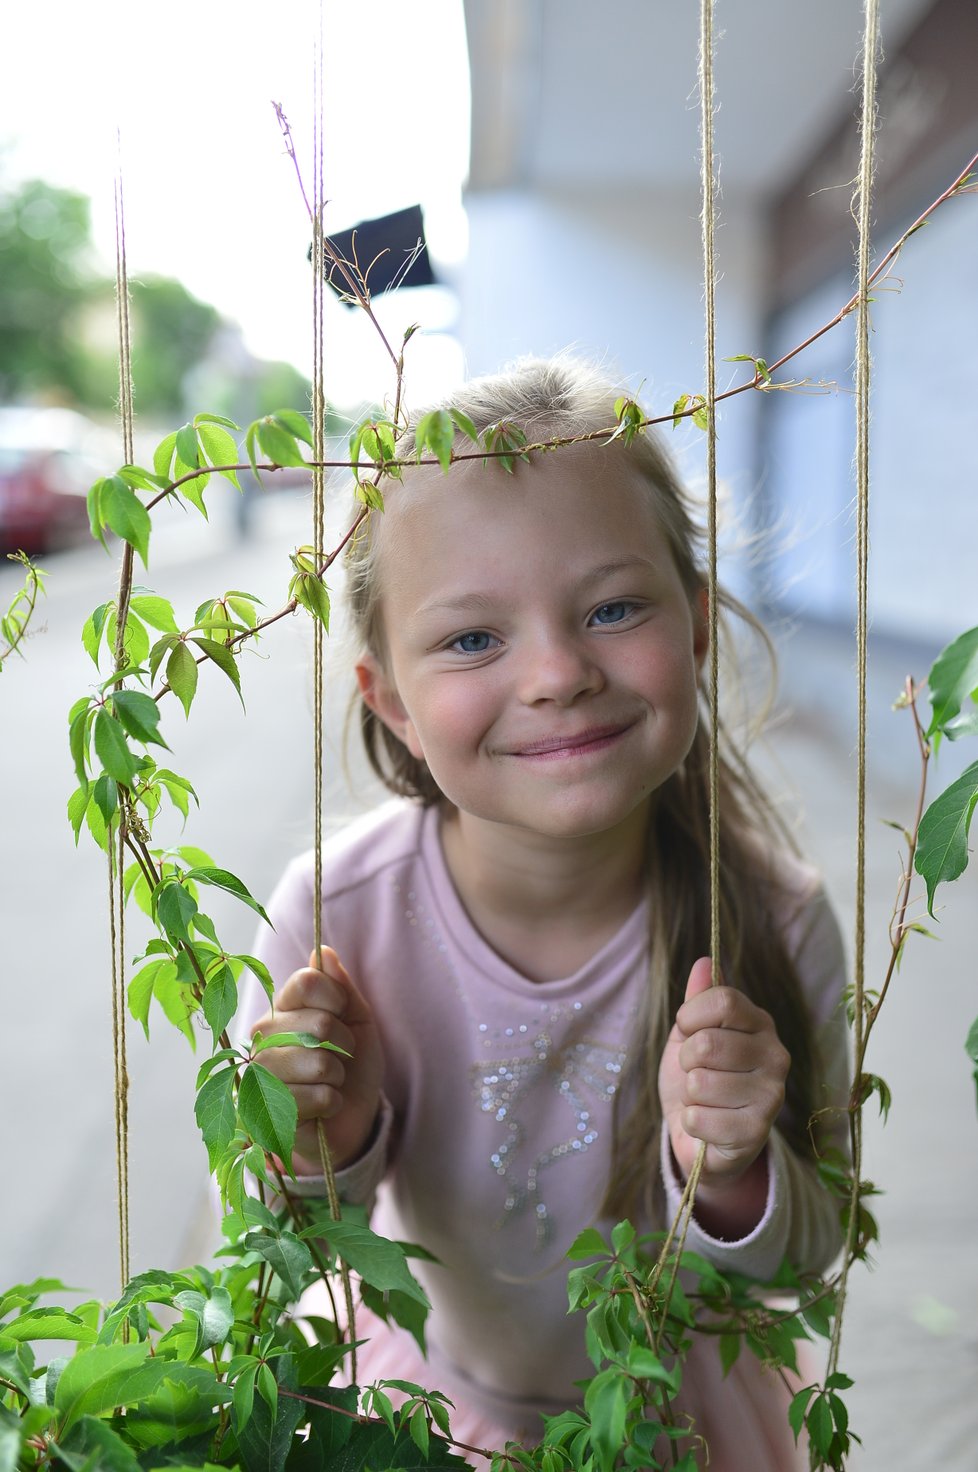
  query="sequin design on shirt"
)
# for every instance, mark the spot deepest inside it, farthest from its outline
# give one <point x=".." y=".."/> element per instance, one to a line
<point x="585" y="1074"/>
<point x="584" y="1071"/>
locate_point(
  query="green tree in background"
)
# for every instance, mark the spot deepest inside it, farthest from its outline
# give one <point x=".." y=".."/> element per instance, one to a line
<point x="57" y="322"/>
<point x="47" y="284"/>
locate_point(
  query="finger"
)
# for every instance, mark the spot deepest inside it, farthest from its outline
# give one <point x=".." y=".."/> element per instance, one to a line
<point x="700" y="978"/>
<point x="721" y="1007"/>
<point x="322" y="1025"/>
<point x="301" y="1066"/>
<point x="310" y="988"/>
<point x="761" y="1093"/>
<point x="315" y="1101"/>
<point x="731" y="1131"/>
<point x="355" y="1009"/>
<point x="720" y="1048"/>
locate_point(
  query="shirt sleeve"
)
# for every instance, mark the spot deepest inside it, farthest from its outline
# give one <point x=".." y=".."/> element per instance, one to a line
<point x="284" y="947"/>
<point x="801" y="1218"/>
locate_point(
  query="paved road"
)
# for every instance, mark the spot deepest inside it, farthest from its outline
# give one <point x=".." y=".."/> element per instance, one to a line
<point x="911" y="1340"/>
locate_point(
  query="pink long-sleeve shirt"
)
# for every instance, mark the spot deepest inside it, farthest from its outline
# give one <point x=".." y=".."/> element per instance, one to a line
<point x="494" y="1151"/>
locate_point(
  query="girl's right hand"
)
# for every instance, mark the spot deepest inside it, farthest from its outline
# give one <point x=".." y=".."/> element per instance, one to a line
<point x="344" y="1092"/>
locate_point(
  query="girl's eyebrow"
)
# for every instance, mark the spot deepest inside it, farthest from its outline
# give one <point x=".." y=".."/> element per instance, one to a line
<point x="478" y="602"/>
<point x="481" y="602"/>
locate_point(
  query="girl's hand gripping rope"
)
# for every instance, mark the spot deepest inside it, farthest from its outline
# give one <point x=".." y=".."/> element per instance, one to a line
<point x="722" y="1081"/>
<point x="344" y="1092"/>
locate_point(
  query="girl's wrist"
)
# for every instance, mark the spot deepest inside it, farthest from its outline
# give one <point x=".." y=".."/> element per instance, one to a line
<point x="733" y="1207"/>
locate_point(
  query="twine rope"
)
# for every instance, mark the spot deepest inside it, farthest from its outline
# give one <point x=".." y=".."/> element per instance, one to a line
<point x="117" y="930"/>
<point x="319" y="517"/>
<point x="679" y="1226"/>
<point x="863" y="373"/>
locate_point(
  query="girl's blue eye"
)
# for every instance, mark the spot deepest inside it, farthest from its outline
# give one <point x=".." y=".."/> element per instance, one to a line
<point x="478" y="642"/>
<point x="612" y="613"/>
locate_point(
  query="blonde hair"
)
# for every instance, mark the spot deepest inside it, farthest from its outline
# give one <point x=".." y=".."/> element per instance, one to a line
<point x="562" y="398"/>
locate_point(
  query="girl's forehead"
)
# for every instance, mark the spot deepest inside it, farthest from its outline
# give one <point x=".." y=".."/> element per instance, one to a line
<point x="580" y="480"/>
<point x="580" y="504"/>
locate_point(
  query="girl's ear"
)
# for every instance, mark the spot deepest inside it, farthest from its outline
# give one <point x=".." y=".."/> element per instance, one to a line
<point x="701" y="626"/>
<point x="380" y="695"/>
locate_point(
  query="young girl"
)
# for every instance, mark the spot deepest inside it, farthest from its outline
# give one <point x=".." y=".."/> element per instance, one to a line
<point x="517" y="943"/>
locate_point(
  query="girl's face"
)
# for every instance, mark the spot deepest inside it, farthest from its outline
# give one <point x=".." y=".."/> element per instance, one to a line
<point x="540" y="651"/>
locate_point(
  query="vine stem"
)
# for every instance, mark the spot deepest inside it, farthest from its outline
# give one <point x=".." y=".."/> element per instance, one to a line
<point x="362" y="1420"/>
<point x="29" y="594"/>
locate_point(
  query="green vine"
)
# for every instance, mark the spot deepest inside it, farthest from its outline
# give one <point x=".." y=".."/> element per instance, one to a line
<point x="211" y="1367"/>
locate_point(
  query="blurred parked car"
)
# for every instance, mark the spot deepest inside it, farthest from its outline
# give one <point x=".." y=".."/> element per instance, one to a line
<point x="48" y="460"/>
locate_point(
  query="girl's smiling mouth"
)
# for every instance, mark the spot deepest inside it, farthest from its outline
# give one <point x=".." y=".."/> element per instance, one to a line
<point x="573" y="744"/>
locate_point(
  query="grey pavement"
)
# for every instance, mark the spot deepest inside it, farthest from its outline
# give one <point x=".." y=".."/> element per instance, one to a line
<point x="911" y="1342"/>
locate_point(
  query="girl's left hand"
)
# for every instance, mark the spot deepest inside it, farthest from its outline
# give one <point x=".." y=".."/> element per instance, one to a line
<point x="721" y="1080"/>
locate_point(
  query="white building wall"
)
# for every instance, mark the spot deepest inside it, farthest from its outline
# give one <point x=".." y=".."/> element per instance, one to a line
<point x="618" y="275"/>
<point x="924" y="506"/>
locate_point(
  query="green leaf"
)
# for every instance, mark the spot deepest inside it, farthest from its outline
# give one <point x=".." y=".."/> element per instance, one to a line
<point x="77" y="803"/>
<point x="10" y="1442"/>
<point x="181" y="675"/>
<point x="163" y="455"/>
<point x="112" y="749"/>
<point x="223" y="1055"/>
<point x="244" y="1396"/>
<point x="606" y="1402"/>
<point x="678" y="409"/>
<point x="122" y="510"/>
<point x="729" y="1352"/>
<point x="289" y="1258"/>
<point x="93" y="630"/>
<point x="223" y="658"/>
<point x="219" y="449"/>
<point x="105" y="796"/>
<point x="176" y="907"/>
<point x="213" y="1311"/>
<point x="222" y="879"/>
<point x="267" y="1112"/>
<point x="95" y="517"/>
<point x="278" y="443"/>
<point x="187" y="448"/>
<point x="820" y="1424"/>
<point x="80" y="719"/>
<point x="294" y="423"/>
<point x="465" y="424"/>
<point x="179" y="790"/>
<point x="293" y="1040"/>
<point x="157" y="612"/>
<point x="105" y="1376"/>
<point x="436" y="432"/>
<point x="48" y="1323"/>
<point x="267" y="1439"/>
<point x="202" y="418"/>
<point x="140" y="715"/>
<point x="92" y="1446"/>
<point x="953" y="680"/>
<point x="220" y="1001"/>
<point x="378" y="1261"/>
<point x="259" y="969"/>
<point x="798" y="1407"/>
<point x="942" y="839"/>
<point x="588" y="1243"/>
<point x="215" y="1113"/>
<point x="142" y="480"/>
<point x="143" y="986"/>
<point x="310" y="590"/>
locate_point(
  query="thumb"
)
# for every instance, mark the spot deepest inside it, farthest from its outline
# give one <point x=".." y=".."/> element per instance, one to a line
<point x="327" y="961"/>
<point x="357" y="1009"/>
<point x="700" y="978"/>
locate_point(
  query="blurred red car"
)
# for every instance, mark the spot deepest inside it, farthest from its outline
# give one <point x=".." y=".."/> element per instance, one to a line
<point x="48" y="460"/>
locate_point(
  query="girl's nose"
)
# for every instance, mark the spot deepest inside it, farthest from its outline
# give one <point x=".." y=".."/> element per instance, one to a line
<point x="558" y="670"/>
